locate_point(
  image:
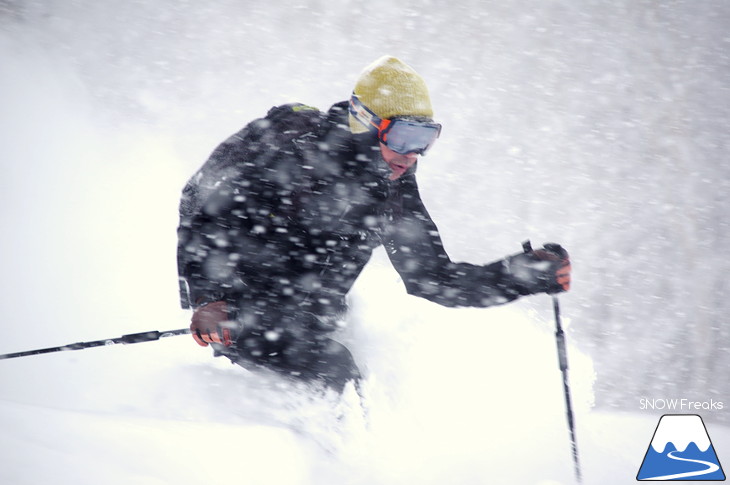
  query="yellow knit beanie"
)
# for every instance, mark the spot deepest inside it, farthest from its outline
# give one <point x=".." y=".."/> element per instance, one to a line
<point x="389" y="87"/>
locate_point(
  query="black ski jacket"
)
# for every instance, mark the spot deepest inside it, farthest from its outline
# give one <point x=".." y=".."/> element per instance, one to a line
<point x="286" y="213"/>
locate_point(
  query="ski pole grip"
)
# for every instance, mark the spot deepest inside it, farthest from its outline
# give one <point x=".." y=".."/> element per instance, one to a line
<point x="527" y="246"/>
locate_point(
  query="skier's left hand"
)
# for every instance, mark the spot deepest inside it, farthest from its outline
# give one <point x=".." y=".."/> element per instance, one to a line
<point x="545" y="270"/>
<point x="561" y="259"/>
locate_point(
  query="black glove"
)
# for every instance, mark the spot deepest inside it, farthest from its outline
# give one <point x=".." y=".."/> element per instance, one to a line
<point x="545" y="270"/>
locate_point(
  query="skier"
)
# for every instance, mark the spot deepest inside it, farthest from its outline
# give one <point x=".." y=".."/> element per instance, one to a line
<point x="278" y="223"/>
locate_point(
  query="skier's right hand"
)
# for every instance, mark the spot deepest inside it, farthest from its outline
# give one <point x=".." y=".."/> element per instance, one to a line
<point x="211" y="324"/>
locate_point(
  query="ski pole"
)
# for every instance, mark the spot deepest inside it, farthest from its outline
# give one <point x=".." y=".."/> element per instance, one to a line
<point x="563" y="364"/>
<point x="132" y="338"/>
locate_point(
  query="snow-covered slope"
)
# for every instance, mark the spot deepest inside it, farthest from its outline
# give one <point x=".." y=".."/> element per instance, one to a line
<point x="454" y="396"/>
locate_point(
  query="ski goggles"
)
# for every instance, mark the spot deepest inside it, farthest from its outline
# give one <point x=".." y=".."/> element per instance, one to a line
<point x="402" y="135"/>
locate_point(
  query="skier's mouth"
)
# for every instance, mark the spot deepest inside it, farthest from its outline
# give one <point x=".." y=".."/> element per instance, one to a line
<point x="397" y="169"/>
<point x="397" y="163"/>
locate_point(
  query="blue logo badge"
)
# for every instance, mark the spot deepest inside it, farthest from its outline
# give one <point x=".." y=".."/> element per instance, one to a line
<point x="681" y="450"/>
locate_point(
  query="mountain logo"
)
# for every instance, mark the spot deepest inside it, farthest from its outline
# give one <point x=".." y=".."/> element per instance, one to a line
<point x="681" y="450"/>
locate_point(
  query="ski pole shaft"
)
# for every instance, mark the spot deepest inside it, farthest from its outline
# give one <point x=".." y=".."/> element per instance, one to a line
<point x="563" y="364"/>
<point x="132" y="338"/>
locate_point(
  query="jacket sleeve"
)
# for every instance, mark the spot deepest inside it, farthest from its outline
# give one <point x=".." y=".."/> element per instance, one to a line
<point x="233" y="211"/>
<point x="414" y="246"/>
<point x="204" y="262"/>
<point x="213" y="213"/>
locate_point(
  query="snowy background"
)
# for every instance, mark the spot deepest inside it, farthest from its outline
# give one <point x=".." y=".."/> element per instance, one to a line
<point x="600" y="125"/>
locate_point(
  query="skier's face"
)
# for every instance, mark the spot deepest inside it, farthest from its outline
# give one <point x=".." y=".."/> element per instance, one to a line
<point x="398" y="163"/>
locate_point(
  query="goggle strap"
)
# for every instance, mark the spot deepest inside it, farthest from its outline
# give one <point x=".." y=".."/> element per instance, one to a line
<point x="363" y="114"/>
